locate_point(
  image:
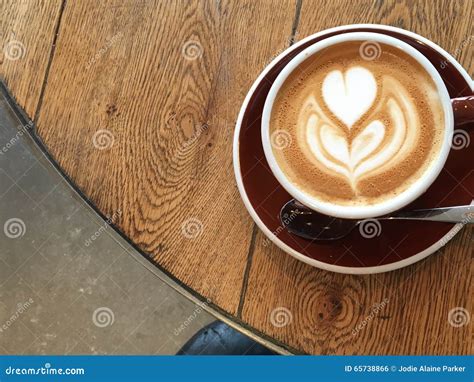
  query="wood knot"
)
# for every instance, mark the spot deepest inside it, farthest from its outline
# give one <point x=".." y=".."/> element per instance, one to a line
<point x="330" y="308"/>
<point x="111" y="110"/>
<point x="161" y="248"/>
<point x="171" y="120"/>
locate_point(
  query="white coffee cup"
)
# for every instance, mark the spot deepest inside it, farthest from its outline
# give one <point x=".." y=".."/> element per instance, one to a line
<point x="390" y="205"/>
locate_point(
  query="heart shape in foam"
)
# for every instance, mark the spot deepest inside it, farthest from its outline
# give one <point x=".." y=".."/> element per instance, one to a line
<point x="364" y="144"/>
<point x="330" y="147"/>
<point x="350" y="95"/>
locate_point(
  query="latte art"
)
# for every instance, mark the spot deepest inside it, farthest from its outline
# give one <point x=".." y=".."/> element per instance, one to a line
<point x="372" y="147"/>
<point x="349" y="95"/>
<point x="363" y="130"/>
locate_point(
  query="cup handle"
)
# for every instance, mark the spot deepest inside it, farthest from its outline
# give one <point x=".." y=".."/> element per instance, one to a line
<point x="463" y="108"/>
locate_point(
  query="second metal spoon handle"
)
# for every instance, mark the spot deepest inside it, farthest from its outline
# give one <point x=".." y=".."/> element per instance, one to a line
<point x="459" y="214"/>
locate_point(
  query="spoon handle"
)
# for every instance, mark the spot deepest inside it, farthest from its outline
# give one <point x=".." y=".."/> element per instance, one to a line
<point x="459" y="214"/>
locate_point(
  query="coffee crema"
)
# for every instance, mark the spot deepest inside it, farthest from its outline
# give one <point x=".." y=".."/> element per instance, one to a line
<point x="358" y="130"/>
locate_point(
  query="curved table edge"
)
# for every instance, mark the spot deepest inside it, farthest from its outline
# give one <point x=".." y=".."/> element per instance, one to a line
<point x="138" y="255"/>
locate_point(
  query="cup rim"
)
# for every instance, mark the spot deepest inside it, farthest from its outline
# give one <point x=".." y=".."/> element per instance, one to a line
<point x="405" y="197"/>
<point x="237" y="158"/>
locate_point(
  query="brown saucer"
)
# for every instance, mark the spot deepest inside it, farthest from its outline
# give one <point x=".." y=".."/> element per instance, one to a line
<point x="393" y="244"/>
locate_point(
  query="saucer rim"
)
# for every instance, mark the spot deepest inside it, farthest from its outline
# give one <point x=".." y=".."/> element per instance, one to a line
<point x="238" y="175"/>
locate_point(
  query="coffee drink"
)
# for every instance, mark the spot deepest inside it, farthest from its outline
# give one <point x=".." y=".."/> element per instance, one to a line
<point x="358" y="129"/>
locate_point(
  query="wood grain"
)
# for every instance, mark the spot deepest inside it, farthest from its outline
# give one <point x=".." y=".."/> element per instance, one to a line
<point x="165" y="80"/>
<point x="343" y="314"/>
<point x="338" y="314"/>
<point x="139" y="110"/>
<point x="26" y="37"/>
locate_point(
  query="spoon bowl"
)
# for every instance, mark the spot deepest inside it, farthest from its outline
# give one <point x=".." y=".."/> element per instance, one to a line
<point x="308" y="224"/>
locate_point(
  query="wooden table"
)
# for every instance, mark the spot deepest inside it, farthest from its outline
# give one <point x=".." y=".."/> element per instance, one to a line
<point x="137" y="100"/>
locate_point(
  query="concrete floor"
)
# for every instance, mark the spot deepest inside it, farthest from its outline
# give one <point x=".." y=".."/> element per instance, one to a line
<point x="62" y="292"/>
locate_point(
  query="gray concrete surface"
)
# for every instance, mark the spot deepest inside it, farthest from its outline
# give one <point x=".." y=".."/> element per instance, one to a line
<point x="60" y="291"/>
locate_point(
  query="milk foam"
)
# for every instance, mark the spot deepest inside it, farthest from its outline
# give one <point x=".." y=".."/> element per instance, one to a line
<point x="349" y="95"/>
<point x="363" y="130"/>
<point x="368" y="150"/>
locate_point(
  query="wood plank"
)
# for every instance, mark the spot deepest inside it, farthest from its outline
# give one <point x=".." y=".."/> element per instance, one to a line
<point x="27" y="33"/>
<point x="326" y="307"/>
<point x="338" y="314"/>
<point x="165" y="80"/>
